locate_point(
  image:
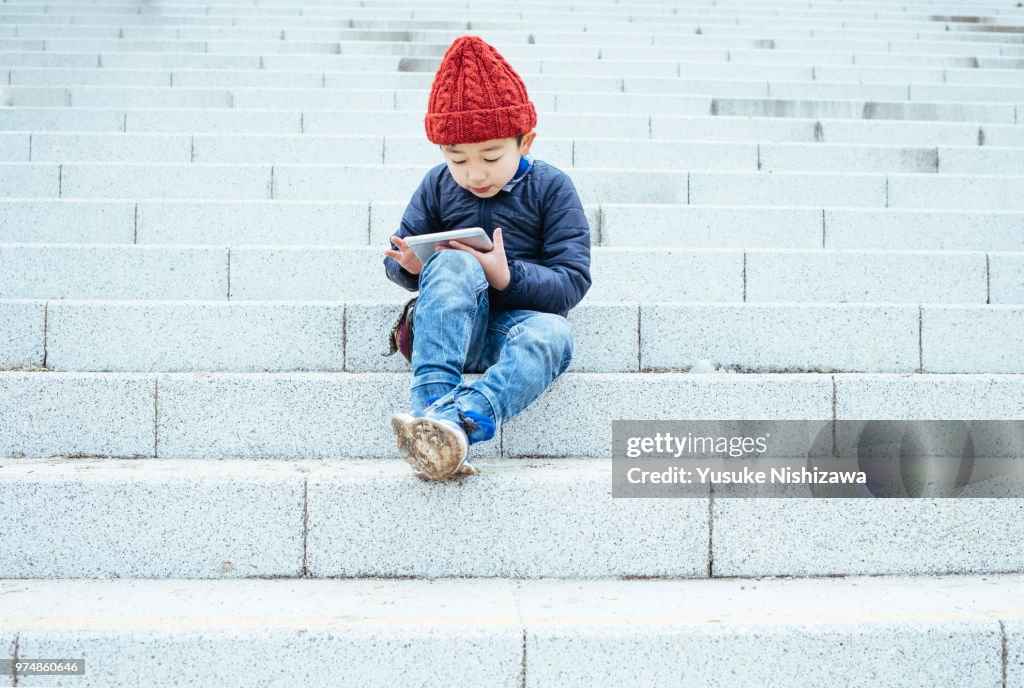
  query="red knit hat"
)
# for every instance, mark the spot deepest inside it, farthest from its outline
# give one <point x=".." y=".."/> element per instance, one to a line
<point x="476" y="96"/>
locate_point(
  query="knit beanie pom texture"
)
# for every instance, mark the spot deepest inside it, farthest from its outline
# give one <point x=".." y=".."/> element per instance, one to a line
<point x="476" y="96"/>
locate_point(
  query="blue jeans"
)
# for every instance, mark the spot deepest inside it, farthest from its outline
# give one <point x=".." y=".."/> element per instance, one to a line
<point x="519" y="352"/>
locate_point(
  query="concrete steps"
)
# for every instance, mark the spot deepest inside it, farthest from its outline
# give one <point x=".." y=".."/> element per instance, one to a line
<point x="75" y="69"/>
<point x="823" y="201"/>
<point x="427" y="41"/>
<point x="384" y="123"/>
<point x="345" y="182"/>
<point x="827" y="49"/>
<point x="330" y="223"/>
<point x="524" y="518"/>
<point x="31" y="53"/>
<point x="624" y="103"/>
<point x="323" y="414"/>
<point x="113" y="271"/>
<point x="963" y="630"/>
<point x="563" y="153"/>
<point x="610" y="337"/>
<point x="704" y="77"/>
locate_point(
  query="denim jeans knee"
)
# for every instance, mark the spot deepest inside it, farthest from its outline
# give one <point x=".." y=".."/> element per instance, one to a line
<point x="552" y="335"/>
<point x="453" y="264"/>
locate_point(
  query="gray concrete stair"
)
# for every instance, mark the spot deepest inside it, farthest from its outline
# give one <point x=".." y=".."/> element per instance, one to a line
<point x="819" y="202"/>
<point x="525" y="518"/>
<point x="322" y="414"/>
<point x="499" y="632"/>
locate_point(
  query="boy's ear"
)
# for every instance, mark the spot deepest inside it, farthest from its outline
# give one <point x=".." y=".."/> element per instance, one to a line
<point x="527" y="142"/>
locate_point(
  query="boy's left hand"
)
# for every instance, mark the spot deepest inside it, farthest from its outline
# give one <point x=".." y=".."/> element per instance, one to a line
<point x="493" y="262"/>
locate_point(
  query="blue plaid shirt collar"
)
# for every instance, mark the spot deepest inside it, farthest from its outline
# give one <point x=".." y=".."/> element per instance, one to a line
<point x="525" y="165"/>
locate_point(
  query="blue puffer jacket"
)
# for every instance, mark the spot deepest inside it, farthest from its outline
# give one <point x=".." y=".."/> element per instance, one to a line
<point x="546" y="234"/>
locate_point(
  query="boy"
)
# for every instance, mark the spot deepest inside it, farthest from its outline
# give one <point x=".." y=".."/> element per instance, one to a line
<point x="501" y="312"/>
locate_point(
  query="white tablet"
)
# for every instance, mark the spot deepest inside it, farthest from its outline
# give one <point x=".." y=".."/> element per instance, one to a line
<point x="426" y="244"/>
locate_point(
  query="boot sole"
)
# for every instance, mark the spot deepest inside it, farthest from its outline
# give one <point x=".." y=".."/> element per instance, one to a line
<point x="401" y="424"/>
<point x="437" y="450"/>
<point x="433" y="448"/>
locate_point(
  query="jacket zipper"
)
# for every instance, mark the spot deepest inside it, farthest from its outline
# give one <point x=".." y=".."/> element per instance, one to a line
<point x="485" y="215"/>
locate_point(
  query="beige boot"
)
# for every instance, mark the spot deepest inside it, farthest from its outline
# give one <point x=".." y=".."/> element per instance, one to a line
<point x="435" y="448"/>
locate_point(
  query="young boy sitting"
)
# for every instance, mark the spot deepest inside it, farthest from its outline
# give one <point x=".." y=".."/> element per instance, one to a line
<point x="501" y="312"/>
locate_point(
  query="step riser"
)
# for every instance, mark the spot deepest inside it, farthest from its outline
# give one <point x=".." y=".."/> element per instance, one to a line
<point x="656" y="226"/>
<point x="607" y="338"/>
<point x="751" y="656"/>
<point x="556" y="125"/>
<point x="308" y="655"/>
<point x="344" y="516"/>
<point x="714" y="27"/>
<point x="809" y="105"/>
<point x="615" y="225"/>
<point x="256" y="41"/>
<point x="962" y="631"/>
<point x="938" y="654"/>
<point x="1007" y="278"/>
<point x="327" y="520"/>
<point x="637" y="75"/>
<point x="340" y="183"/>
<point x="282" y="415"/>
<point x="31" y="69"/>
<point x="564" y="154"/>
<point x="735" y="107"/>
<point x="852" y="536"/>
<point x="918" y="58"/>
<point x="508" y="26"/>
<point x="163" y="526"/>
<point x="775" y="278"/>
<point x="720" y="34"/>
<point x="357" y="273"/>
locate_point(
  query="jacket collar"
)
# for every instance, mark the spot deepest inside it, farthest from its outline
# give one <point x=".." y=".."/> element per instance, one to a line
<point x="525" y="165"/>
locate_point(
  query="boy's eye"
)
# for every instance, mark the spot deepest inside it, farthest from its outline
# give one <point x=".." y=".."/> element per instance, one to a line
<point x="459" y="162"/>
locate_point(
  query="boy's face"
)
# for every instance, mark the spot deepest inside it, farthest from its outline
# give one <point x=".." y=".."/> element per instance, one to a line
<point x="483" y="168"/>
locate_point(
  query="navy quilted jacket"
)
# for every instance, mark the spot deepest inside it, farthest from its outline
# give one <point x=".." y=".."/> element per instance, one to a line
<point x="546" y="234"/>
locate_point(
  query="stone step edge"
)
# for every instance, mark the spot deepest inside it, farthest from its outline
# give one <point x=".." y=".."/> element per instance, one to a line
<point x="635" y="95"/>
<point x="733" y="143"/>
<point x="153" y="468"/>
<point x="564" y="140"/>
<point x="744" y="379"/>
<point x="313" y="503"/>
<point x="709" y="117"/>
<point x="164" y="71"/>
<point x="568" y="22"/>
<point x="319" y="602"/>
<point x="681" y="61"/>
<point x="844" y="252"/>
<point x="683" y="207"/>
<point x="953" y="630"/>
<point x="1002" y="605"/>
<point x="83" y="466"/>
<point x="681" y="174"/>
<point x="589" y="303"/>
<point x="424" y="64"/>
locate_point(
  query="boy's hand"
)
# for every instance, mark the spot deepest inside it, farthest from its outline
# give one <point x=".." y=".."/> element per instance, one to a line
<point x="405" y="256"/>
<point x="493" y="262"/>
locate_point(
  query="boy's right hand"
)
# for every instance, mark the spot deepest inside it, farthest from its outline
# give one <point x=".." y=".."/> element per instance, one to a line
<point x="405" y="256"/>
